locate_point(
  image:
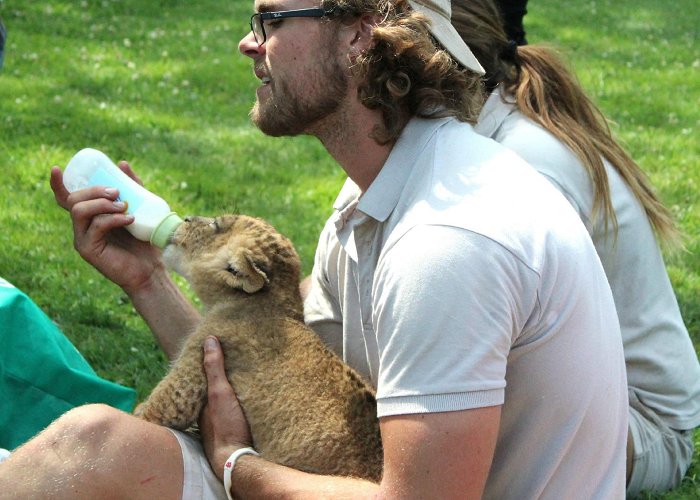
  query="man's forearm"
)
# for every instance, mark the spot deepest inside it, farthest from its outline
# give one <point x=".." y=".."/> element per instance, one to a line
<point x="166" y="310"/>
<point x="254" y="477"/>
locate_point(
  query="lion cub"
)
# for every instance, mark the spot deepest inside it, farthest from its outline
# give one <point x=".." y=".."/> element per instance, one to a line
<point x="305" y="407"/>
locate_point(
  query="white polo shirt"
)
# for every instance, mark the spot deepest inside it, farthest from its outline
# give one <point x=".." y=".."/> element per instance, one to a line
<point x="461" y="279"/>
<point x="662" y="366"/>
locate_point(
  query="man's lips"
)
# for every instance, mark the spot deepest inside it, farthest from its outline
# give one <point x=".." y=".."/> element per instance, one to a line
<point x="260" y="74"/>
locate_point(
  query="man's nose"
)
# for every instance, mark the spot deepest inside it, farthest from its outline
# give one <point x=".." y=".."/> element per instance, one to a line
<point x="249" y="47"/>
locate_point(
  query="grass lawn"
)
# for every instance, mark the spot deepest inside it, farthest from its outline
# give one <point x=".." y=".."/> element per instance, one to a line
<point x="162" y="84"/>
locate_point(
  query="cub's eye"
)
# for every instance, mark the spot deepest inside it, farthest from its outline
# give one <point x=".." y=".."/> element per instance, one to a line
<point x="215" y="225"/>
<point x="232" y="270"/>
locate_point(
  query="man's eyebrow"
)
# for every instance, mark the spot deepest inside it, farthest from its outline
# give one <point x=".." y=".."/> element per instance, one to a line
<point x="266" y="6"/>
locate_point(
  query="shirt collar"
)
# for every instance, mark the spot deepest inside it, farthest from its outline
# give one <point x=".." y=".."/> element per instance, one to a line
<point x="383" y="194"/>
<point x="494" y="112"/>
<point x="354" y="208"/>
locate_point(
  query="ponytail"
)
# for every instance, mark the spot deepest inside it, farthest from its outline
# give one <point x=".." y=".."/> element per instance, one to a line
<point x="548" y="93"/>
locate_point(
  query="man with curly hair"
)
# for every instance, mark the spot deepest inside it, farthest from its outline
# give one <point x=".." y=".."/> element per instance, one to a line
<point x="455" y="278"/>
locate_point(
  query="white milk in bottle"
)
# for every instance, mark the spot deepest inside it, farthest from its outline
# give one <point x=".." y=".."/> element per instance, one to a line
<point x="153" y="219"/>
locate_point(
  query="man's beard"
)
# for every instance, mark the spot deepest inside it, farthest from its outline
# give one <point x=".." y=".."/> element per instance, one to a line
<point x="287" y="114"/>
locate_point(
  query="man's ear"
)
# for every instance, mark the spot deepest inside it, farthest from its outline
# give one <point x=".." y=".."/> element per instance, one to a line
<point x="360" y="34"/>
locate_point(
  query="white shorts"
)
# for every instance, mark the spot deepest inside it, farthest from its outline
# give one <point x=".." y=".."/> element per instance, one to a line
<point x="200" y="482"/>
<point x="662" y="455"/>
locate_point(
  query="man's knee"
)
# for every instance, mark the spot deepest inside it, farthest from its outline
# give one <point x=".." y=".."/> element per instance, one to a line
<point x="73" y="446"/>
<point x="102" y="452"/>
<point x="84" y="428"/>
<point x="93" y="418"/>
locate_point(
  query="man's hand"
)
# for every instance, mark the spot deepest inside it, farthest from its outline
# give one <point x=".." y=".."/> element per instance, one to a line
<point x="99" y="237"/>
<point x="222" y="422"/>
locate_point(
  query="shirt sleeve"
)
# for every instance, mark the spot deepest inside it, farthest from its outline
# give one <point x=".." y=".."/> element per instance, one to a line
<point x="445" y="318"/>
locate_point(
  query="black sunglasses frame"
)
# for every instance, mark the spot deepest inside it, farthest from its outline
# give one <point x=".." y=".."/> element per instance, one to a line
<point x="258" y="19"/>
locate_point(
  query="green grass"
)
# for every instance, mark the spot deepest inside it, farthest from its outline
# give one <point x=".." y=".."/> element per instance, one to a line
<point x="158" y="83"/>
<point x="163" y="85"/>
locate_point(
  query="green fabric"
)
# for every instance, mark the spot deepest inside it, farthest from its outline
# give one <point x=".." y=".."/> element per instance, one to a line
<point x="42" y="375"/>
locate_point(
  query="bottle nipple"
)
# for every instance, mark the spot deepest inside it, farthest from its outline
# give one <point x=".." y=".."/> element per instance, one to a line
<point x="163" y="233"/>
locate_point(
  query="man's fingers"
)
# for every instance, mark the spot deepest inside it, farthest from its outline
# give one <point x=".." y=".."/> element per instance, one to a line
<point x="222" y="422"/>
<point x="99" y="215"/>
<point x="214" y="366"/>
<point x="61" y="193"/>
<point x="59" y="190"/>
<point x="126" y="168"/>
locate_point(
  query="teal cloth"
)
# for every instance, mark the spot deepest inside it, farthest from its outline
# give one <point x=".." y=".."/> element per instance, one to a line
<point x="42" y="375"/>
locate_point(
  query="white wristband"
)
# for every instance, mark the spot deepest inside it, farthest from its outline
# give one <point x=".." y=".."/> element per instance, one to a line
<point x="231" y="463"/>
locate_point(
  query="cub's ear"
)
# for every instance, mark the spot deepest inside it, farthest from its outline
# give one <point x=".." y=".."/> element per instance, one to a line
<point x="245" y="273"/>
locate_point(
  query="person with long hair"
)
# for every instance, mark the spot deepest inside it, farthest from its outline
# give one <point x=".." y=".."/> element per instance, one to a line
<point x="537" y="108"/>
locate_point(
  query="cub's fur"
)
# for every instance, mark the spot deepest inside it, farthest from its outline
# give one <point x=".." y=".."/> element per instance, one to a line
<point x="306" y="409"/>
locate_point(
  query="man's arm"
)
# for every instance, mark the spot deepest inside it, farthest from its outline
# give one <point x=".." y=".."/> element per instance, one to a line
<point x="434" y="455"/>
<point x="167" y="312"/>
<point x="133" y="265"/>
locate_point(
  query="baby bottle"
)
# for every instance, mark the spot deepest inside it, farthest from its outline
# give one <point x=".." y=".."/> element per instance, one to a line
<point x="153" y="219"/>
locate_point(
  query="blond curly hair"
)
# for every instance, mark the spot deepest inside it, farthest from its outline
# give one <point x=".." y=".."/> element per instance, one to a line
<point x="405" y="72"/>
